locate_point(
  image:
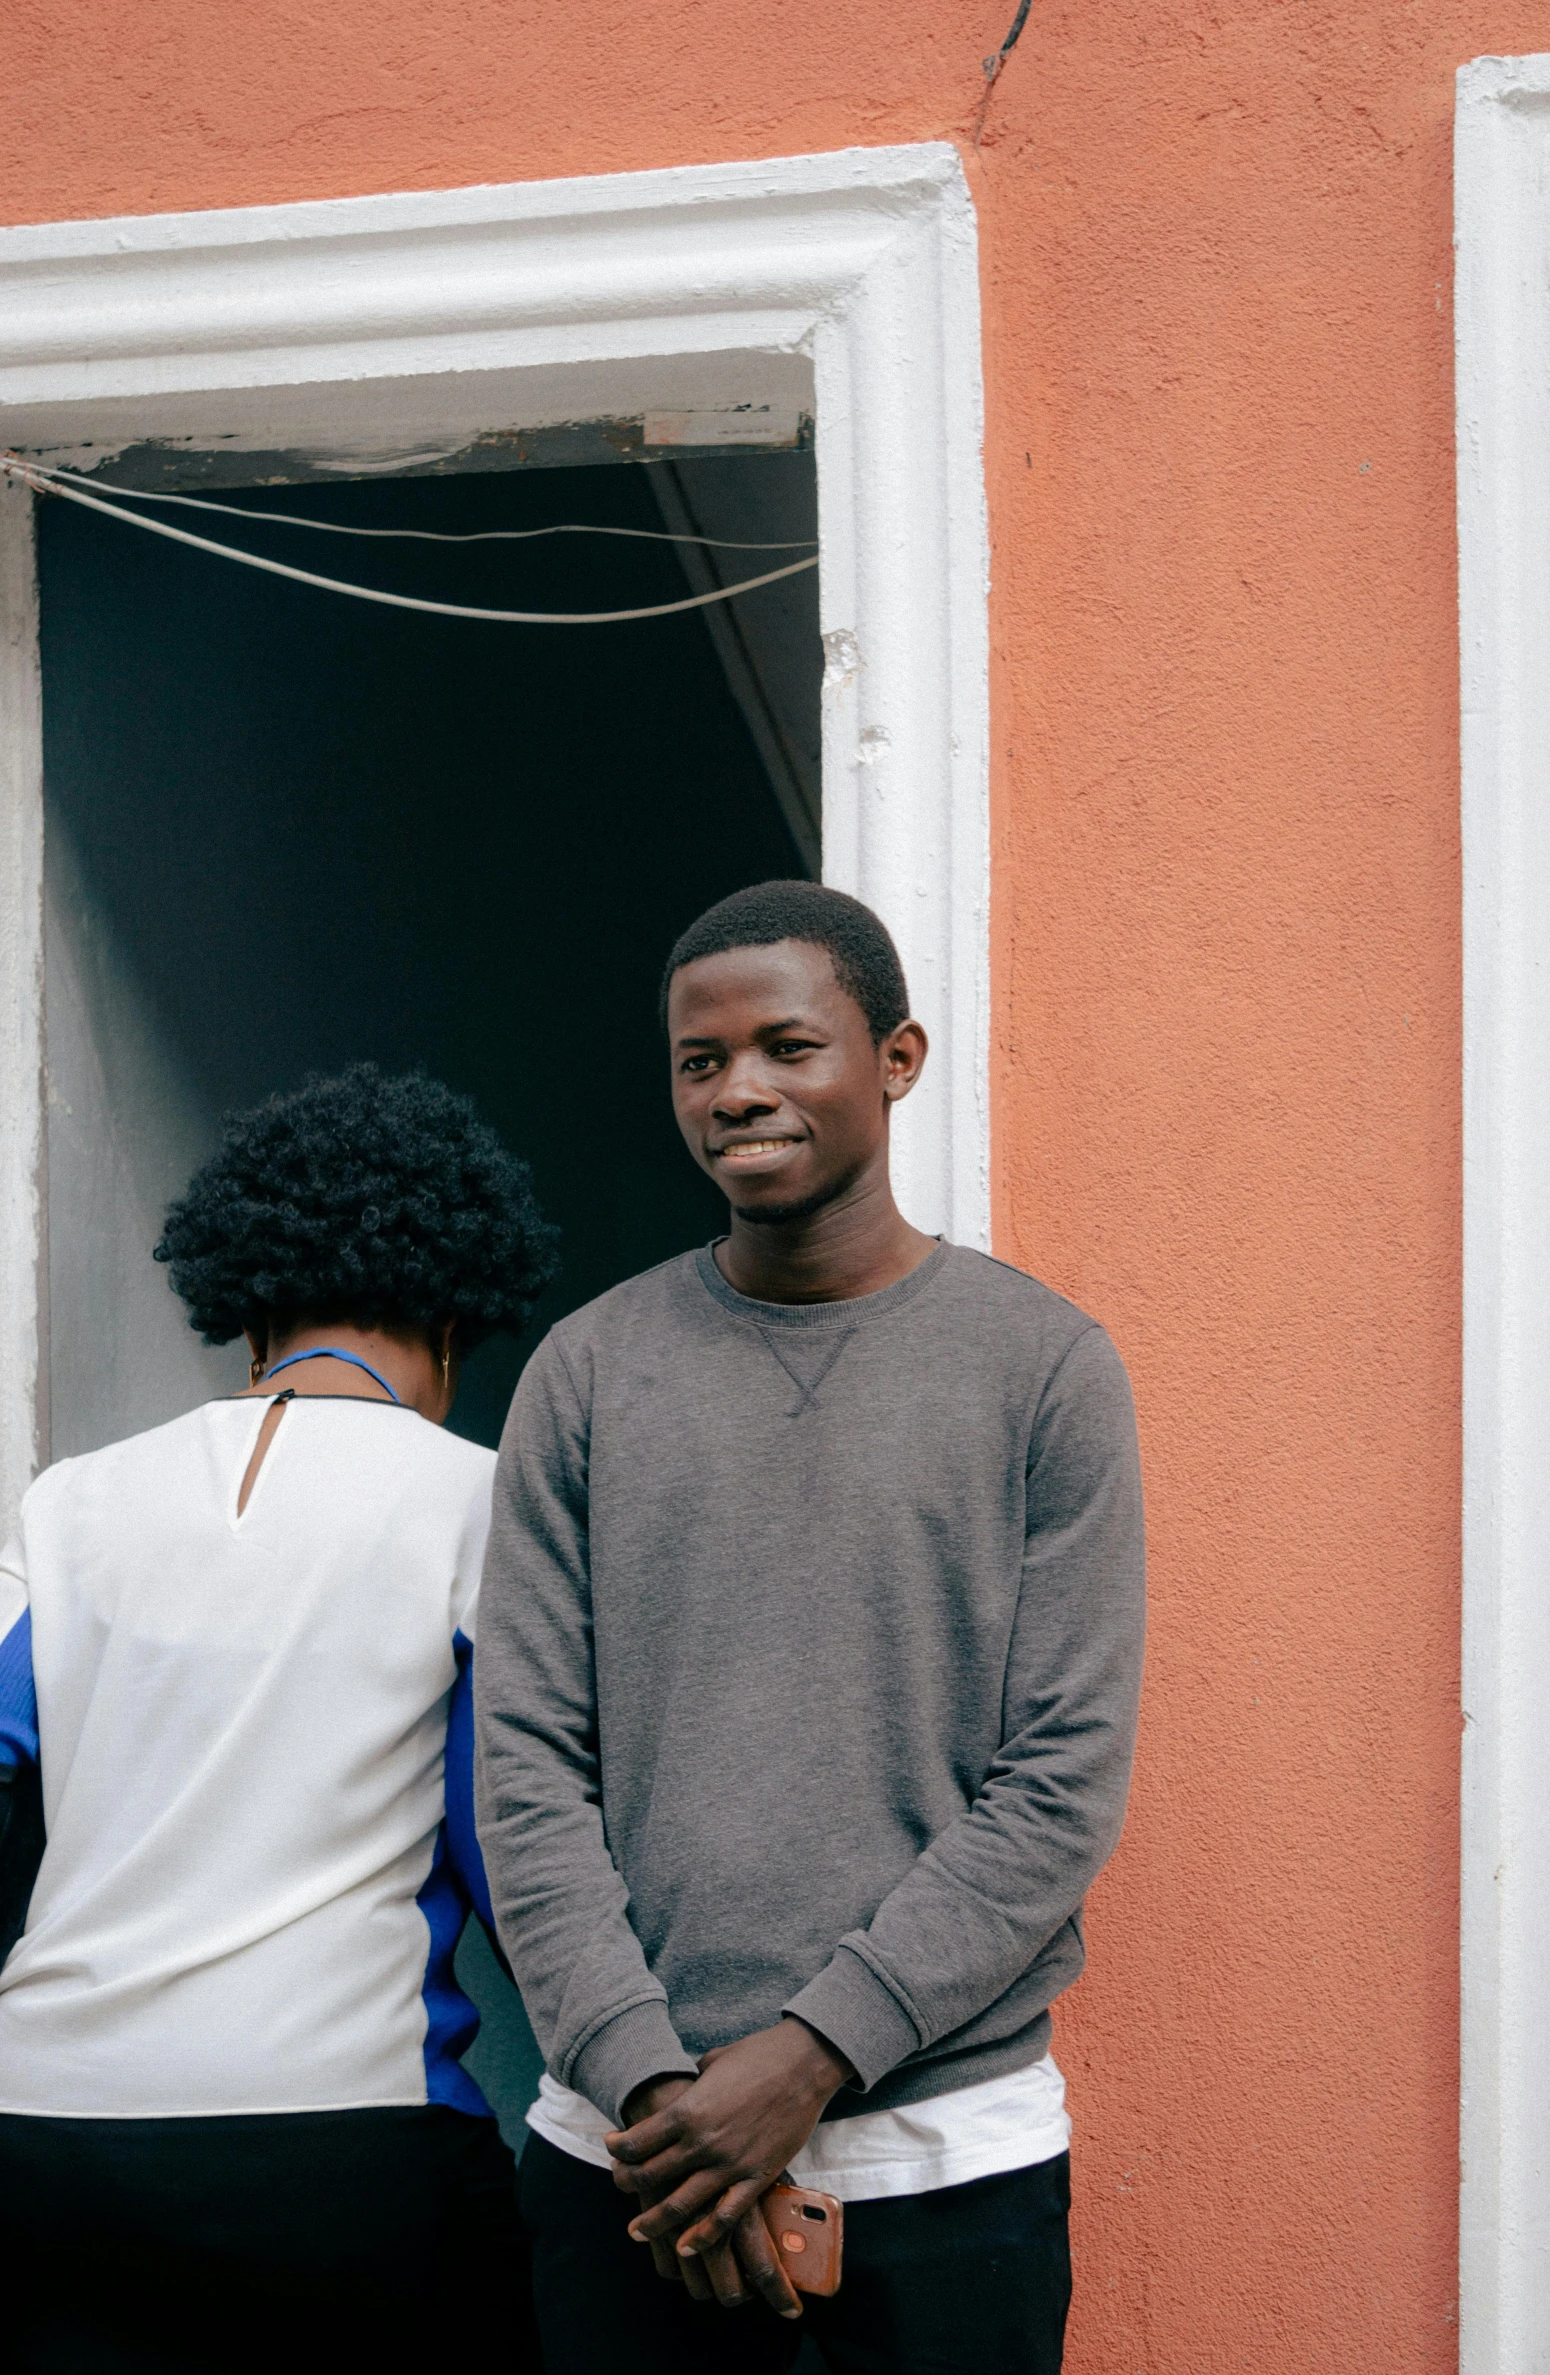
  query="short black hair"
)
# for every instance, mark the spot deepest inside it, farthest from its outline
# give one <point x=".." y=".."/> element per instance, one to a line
<point x="381" y="1199"/>
<point x="866" y="963"/>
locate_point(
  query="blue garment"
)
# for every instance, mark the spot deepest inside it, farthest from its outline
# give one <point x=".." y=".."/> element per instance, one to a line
<point x="18" y="1696"/>
<point x="454" y="1887"/>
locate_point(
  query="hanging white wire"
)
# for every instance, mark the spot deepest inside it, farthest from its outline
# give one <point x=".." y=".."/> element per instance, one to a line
<point x="56" y="472"/>
<point x="44" y="481"/>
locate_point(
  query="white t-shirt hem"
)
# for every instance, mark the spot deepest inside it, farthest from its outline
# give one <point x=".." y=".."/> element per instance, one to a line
<point x="977" y="2131"/>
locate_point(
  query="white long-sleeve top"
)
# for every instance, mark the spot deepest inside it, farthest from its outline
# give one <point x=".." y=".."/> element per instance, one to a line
<point x="256" y="1873"/>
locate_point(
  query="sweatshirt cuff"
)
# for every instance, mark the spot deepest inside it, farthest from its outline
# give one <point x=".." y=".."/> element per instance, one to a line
<point x="638" y="2043"/>
<point x="850" y="2007"/>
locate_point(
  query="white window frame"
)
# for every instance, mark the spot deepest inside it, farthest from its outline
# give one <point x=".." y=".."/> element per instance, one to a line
<point x="1502" y="158"/>
<point x="858" y="268"/>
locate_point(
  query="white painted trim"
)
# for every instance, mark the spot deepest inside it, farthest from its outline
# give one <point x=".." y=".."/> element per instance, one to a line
<point x="21" y="1000"/>
<point x="1503" y="333"/>
<point x="373" y="323"/>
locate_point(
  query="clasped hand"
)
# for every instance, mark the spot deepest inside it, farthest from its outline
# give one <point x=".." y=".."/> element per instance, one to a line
<point x="701" y="2154"/>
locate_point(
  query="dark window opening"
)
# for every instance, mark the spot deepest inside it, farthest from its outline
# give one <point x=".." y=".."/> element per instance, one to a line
<point x="286" y="829"/>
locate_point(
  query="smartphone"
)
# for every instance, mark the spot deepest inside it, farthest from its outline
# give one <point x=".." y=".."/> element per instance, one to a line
<point x="808" y="2232"/>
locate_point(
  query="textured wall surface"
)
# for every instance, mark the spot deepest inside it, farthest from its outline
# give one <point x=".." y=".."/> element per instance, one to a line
<point x="1217" y="269"/>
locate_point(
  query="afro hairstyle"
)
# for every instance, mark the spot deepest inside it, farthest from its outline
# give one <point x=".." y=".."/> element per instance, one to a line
<point x="866" y="963"/>
<point x="382" y="1200"/>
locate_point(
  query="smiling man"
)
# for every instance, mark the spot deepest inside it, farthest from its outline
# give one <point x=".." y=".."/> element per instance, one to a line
<point x="809" y="1648"/>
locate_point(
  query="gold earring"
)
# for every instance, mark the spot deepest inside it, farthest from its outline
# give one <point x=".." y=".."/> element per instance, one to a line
<point x="446" y="1366"/>
<point x="255" y="1370"/>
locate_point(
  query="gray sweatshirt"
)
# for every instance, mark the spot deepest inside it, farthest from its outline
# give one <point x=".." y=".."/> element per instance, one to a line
<point x="809" y="1649"/>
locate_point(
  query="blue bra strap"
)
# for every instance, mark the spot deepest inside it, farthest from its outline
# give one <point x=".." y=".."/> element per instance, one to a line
<point x="330" y="1352"/>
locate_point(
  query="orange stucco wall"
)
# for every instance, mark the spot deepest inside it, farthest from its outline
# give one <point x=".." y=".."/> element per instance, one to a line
<point x="1218" y="351"/>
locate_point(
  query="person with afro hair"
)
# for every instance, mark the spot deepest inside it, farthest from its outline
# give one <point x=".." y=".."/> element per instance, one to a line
<point x="385" y="1203"/>
<point x="235" y="2128"/>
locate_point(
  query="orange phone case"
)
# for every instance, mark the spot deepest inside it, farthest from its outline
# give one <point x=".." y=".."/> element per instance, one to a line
<point x="808" y="2232"/>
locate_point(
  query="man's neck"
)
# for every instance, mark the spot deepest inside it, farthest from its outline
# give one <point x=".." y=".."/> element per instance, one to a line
<point x="857" y="1245"/>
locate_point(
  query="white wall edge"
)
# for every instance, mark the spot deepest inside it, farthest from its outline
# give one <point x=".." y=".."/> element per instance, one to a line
<point x="21" y="1000"/>
<point x="493" y="277"/>
<point x="1502" y="160"/>
<point x="865" y="261"/>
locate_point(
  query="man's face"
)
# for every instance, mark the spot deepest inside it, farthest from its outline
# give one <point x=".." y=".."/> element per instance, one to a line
<point x="779" y="1091"/>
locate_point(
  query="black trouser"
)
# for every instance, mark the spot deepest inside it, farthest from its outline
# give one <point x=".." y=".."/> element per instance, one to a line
<point x="323" y="2239"/>
<point x="972" y="2280"/>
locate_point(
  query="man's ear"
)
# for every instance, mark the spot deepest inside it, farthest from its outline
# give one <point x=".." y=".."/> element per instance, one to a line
<point x="903" y="1055"/>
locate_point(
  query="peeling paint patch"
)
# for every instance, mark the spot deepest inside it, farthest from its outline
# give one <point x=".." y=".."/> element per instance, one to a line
<point x="842" y="659"/>
<point x="743" y="424"/>
<point x="163" y="465"/>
